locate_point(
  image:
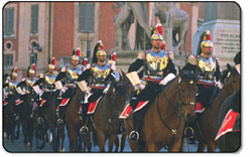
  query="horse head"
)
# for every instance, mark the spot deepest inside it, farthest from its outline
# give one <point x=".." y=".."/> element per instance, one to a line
<point x="187" y="91"/>
<point x="233" y="78"/>
<point x="125" y="80"/>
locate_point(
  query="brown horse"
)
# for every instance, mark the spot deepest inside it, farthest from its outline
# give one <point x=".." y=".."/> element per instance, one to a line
<point x="72" y="117"/>
<point x="169" y="110"/>
<point x="105" y="120"/>
<point x="206" y="122"/>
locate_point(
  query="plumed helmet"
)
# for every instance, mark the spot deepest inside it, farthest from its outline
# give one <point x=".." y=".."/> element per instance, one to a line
<point x="52" y="63"/>
<point x="156" y="36"/>
<point x="205" y="41"/>
<point x="76" y="54"/>
<point x="13" y="72"/>
<point x="31" y="69"/>
<point x="98" y="51"/>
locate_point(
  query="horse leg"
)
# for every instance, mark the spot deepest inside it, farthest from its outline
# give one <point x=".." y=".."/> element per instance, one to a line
<point x="112" y="141"/>
<point x="175" y="147"/>
<point x="87" y="143"/>
<point x="101" y="140"/>
<point x="211" y="146"/>
<point x="201" y="147"/>
<point x="72" y="134"/>
<point x="61" y="135"/>
<point x="123" y="142"/>
<point x="153" y="147"/>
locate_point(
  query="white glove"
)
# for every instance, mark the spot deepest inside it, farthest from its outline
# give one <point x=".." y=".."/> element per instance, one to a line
<point x="168" y="78"/>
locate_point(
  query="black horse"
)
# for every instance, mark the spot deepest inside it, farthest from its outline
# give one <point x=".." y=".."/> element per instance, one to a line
<point x="231" y="141"/>
<point x="26" y="117"/>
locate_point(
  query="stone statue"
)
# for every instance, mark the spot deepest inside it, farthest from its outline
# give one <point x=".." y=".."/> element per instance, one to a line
<point x="128" y="8"/>
<point x="176" y="22"/>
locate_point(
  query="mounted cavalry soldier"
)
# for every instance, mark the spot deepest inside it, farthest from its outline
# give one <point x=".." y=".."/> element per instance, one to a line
<point x="69" y="76"/>
<point x="47" y="83"/>
<point x="158" y="70"/>
<point x="10" y="85"/>
<point x="28" y="83"/>
<point x="210" y="72"/>
<point x="103" y="73"/>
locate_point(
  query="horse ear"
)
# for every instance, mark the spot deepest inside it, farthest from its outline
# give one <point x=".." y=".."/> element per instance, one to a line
<point x="230" y="68"/>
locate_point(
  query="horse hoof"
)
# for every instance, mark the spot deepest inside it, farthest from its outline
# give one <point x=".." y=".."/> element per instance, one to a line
<point x="28" y="144"/>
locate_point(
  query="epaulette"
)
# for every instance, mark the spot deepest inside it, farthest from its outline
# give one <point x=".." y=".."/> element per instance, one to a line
<point x="192" y="60"/>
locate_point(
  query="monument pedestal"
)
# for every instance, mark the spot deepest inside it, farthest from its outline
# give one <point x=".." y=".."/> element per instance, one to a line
<point x="225" y="35"/>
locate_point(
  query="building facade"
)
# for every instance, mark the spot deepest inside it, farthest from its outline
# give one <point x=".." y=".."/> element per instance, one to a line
<point x="33" y="32"/>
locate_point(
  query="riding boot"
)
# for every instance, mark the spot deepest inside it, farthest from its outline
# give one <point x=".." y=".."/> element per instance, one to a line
<point x="84" y="129"/>
<point x="59" y="114"/>
<point x="134" y="134"/>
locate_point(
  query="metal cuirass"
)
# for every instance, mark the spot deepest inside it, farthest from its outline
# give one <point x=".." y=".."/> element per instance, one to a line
<point x="49" y="81"/>
<point x="100" y="73"/>
<point x="72" y="74"/>
<point x="208" y="68"/>
<point x="155" y="63"/>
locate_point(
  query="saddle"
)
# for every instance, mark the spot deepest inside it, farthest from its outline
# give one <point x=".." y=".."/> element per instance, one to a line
<point x="231" y="123"/>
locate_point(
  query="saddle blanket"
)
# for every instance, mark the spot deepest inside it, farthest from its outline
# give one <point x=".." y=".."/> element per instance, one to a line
<point x="19" y="101"/>
<point x="126" y="112"/>
<point x="64" y="101"/>
<point x="92" y="106"/>
<point x="42" y="102"/>
<point x="5" y="103"/>
<point x="228" y="124"/>
<point x="199" y="108"/>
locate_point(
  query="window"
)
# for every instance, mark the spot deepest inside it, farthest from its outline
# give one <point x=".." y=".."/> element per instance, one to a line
<point x="33" y="58"/>
<point x="8" y="60"/>
<point x="86" y="17"/>
<point x="86" y="48"/>
<point x="34" y="18"/>
<point x="9" y="21"/>
<point x="65" y="61"/>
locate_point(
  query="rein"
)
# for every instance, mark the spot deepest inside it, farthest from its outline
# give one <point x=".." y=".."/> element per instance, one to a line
<point x="179" y="109"/>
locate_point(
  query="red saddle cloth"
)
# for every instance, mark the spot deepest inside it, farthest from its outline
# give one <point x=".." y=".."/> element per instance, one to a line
<point x="92" y="106"/>
<point x="199" y="108"/>
<point x="126" y="112"/>
<point x="42" y="102"/>
<point x="64" y="101"/>
<point x="18" y="101"/>
<point x="227" y="124"/>
<point x="5" y="103"/>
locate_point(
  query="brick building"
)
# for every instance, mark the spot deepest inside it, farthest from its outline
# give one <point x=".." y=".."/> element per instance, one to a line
<point x="33" y="32"/>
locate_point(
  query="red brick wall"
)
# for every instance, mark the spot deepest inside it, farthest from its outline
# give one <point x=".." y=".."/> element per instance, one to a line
<point x="63" y="29"/>
<point x="106" y="25"/>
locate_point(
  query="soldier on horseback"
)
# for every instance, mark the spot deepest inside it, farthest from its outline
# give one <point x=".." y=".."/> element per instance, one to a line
<point x="103" y="73"/>
<point x="47" y="82"/>
<point x="210" y="71"/>
<point x="209" y="76"/>
<point x="158" y="70"/>
<point x="71" y="72"/>
<point x="10" y="85"/>
<point x="28" y="83"/>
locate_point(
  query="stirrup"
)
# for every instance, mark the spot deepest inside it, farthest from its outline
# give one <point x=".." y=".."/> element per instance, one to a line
<point x="84" y="130"/>
<point x="40" y="120"/>
<point x="59" y="122"/>
<point x="133" y="136"/>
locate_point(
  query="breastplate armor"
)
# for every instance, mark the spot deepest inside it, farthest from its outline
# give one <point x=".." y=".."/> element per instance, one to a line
<point x="72" y="74"/>
<point x="11" y="86"/>
<point x="30" y="82"/>
<point x="49" y="81"/>
<point x="155" y="63"/>
<point x="100" y="73"/>
<point x="208" y="68"/>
